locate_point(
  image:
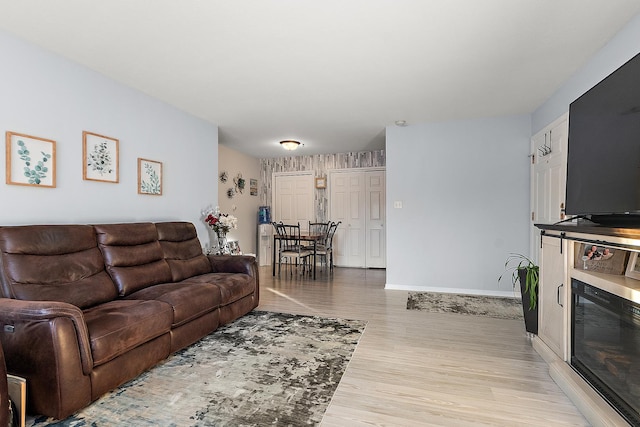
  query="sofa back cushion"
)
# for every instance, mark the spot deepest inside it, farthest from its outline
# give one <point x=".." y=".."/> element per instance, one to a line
<point x="182" y="250"/>
<point x="132" y="255"/>
<point x="54" y="263"/>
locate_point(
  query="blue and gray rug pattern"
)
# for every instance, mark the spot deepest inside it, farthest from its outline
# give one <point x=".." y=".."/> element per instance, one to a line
<point x="478" y="305"/>
<point x="264" y="369"/>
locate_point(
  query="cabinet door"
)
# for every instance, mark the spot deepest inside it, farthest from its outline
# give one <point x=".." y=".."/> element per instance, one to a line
<point x="551" y="296"/>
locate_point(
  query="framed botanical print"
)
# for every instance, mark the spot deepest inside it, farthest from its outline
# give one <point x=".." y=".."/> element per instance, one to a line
<point x="149" y="177"/>
<point x="99" y="158"/>
<point x="30" y="160"/>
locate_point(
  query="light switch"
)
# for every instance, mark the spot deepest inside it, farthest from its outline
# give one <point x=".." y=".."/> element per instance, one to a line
<point x="397" y="205"/>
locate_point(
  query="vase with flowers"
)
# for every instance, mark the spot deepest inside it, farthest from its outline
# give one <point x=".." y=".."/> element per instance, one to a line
<point x="220" y="223"/>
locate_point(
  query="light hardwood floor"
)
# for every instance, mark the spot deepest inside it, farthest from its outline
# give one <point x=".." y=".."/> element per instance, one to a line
<point x="413" y="368"/>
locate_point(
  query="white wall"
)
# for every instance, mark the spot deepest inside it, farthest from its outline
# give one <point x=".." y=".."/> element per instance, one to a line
<point x="619" y="50"/>
<point x="48" y="96"/>
<point x="464" y="188"/>
<point x="246" y="205"/>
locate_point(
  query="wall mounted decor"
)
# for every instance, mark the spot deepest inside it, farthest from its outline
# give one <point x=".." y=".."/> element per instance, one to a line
<point x="253" y="187"/>
<point x="231" y="192"/>
<point x="224" y="177"/>
<point x="30" y="160"/>
<point x="239" y="182"/>
<point x="321" y="182"/>
<point x="149" y="177"/>
<point x="100" y="158"/>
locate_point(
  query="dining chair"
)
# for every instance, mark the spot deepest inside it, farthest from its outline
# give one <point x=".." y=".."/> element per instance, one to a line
<point x="318" y="229"/>
<point x="325" y="251"/>
<point x="291" y="247"/>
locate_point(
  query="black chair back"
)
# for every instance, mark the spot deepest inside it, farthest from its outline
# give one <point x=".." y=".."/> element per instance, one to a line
<point x="332" y="232"/>
<point x="289" y="236"/>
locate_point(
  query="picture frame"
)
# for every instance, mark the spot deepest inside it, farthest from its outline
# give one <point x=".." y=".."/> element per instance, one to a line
<point x="600" y="259"/>
<point x="149" y="177"/>
<point x="321" y="182"/>
<point x="253" y="186"/>
<point x="30" y="160"/>
<point x="100" y="161"/>
<point x="234" y="247"/>
<point x="633" y="266"/>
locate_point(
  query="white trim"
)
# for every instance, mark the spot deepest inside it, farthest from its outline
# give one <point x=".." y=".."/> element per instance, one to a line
<point x="507" y="294"/>
<point x="295" y="173"/>
<point x="368" y="169"/>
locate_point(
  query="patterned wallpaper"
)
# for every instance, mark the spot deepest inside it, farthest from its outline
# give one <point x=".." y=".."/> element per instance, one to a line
<point x="320" y="164"/>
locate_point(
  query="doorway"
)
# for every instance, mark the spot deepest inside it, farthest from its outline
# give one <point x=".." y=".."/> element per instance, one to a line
<point x="357" y="199"/>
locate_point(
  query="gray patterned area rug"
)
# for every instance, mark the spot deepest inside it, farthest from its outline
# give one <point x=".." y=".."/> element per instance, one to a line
<point x="478" y="305"/>
<point x="264" y="369"/>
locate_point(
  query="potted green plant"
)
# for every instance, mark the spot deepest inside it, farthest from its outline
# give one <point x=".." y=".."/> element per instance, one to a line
<point x="525" y="272"/>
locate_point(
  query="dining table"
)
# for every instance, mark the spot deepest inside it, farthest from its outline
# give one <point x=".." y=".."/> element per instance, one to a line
<point x="304" y="237"/>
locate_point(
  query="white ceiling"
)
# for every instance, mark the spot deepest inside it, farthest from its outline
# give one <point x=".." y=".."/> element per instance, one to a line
<point x="330" y="73"/>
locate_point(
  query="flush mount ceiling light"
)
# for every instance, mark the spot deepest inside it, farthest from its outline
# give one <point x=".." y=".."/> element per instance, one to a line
<point x="289" y="144"/>
<point x="401" y="123"/>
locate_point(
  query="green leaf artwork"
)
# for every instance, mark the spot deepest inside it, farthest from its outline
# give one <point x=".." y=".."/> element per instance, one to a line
<point x="100" y="159"/>
<point x="152" y="185"/>
<point x="38" y="172"/>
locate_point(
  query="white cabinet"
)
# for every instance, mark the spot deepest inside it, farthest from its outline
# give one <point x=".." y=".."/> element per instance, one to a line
<point x="552" y="295"/>
<point x="563" y="246"/>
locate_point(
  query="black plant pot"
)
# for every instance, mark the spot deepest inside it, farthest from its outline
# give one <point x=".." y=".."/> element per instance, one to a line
<point x="530" y="315"/>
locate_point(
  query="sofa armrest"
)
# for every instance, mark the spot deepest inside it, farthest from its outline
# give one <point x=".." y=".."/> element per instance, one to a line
<point x="234" y="264"/>
<point x="29" y="321"/>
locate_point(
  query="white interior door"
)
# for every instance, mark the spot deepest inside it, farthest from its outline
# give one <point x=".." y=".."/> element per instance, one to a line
<point x="357" y="199"/>
<point x="293" y="199"/>
<point x="375" y="219"/>
<point x="348" y="206"/>
<point x="548" y="178"/>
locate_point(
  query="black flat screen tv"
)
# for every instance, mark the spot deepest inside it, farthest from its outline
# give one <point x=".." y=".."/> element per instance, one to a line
<point x="603" y="159"/>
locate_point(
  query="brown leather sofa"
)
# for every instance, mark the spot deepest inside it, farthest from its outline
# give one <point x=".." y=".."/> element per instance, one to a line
<point x="86" y="308"/>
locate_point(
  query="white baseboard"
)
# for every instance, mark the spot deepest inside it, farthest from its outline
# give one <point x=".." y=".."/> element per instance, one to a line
<point x="507" y="294"/>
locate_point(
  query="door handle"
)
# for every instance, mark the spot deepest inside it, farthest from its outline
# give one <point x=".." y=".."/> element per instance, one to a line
<point x="558" y="296"/>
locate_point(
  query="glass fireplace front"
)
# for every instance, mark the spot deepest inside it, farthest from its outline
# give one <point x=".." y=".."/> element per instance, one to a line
<point x="605" y="347"/>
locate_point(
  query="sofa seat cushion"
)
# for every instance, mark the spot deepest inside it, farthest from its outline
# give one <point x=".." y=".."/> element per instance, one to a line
<point x="188" y="300"/>
<point x="118" y="326"/>
<point x="233" y="286"/>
